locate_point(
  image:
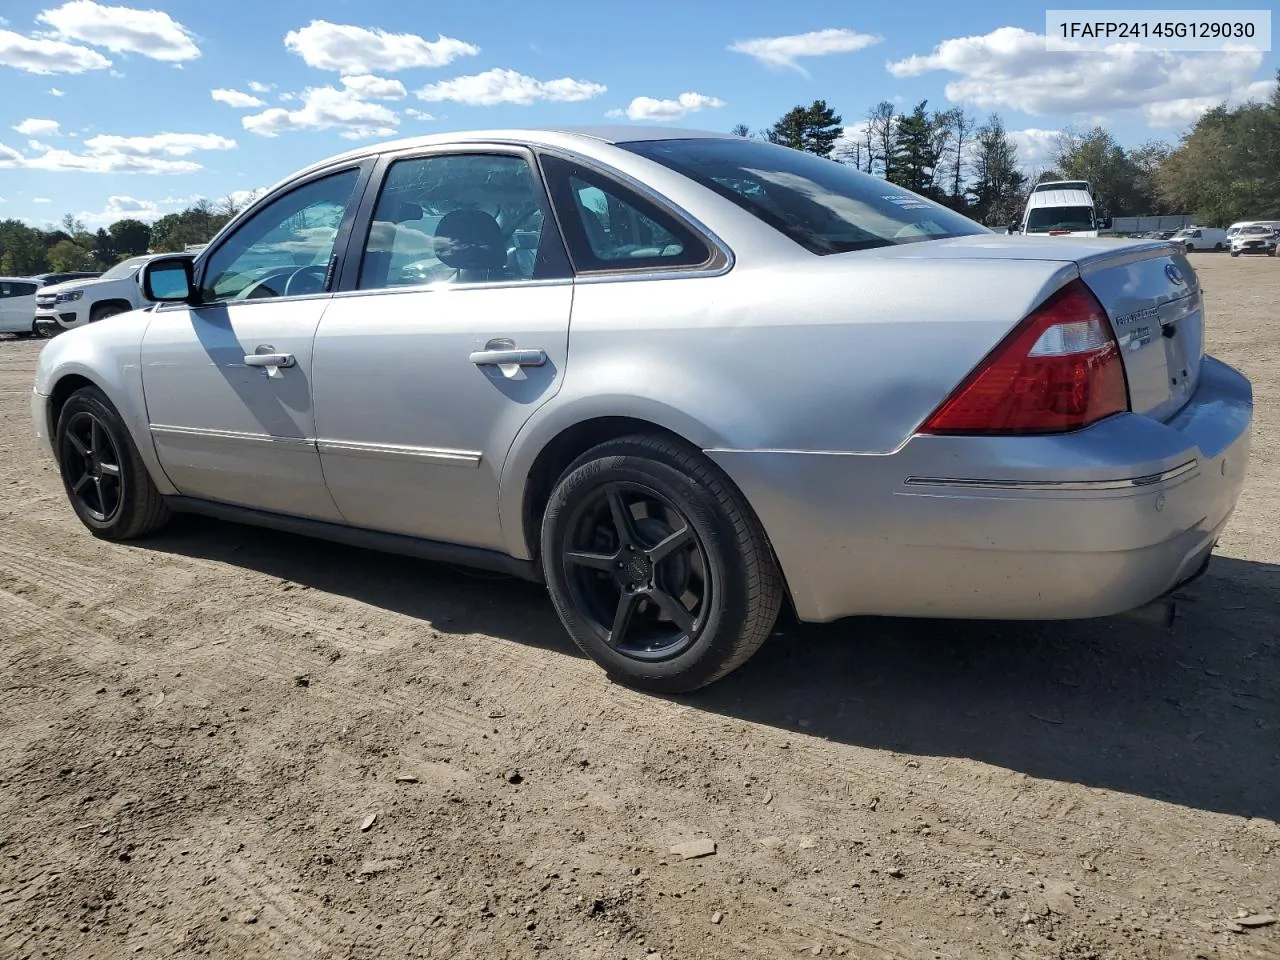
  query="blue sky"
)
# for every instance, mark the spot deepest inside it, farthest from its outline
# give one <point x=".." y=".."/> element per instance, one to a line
<point x="109" y="109"/>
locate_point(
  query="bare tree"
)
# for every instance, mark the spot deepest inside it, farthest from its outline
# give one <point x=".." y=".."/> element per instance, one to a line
<point x="740" y="130"/>
<point x="961" y="127"/>
<point x="882" y="128"/>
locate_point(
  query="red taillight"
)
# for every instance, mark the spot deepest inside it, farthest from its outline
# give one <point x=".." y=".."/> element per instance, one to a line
<point x="1060" y="369"/>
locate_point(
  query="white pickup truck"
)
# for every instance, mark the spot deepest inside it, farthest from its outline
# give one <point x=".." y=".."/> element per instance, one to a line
<point x="77" y="302"/>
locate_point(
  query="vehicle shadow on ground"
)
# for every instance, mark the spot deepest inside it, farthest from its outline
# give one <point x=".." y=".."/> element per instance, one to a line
<point x="1186" y="715"/>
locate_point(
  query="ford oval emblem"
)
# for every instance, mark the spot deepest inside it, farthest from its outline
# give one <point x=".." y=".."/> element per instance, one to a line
<point x="1174" y="274"/>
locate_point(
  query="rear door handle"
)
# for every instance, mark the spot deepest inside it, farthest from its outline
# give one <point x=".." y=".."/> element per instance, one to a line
<point x="522" y="358"/>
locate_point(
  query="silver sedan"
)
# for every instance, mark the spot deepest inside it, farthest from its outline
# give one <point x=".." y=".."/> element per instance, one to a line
<point x="681" y="378"/>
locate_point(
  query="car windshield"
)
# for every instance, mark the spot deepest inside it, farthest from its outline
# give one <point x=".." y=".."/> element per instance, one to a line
<point x="125" y="268"/>
<point x="824" y="206"/>
<point x="1044" y="219"/>
<point x="1256" y="231"/>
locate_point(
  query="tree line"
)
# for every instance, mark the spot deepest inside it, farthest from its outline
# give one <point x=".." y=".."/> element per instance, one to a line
<point x="1224" y="168"/>
<point x="26" y="250"/>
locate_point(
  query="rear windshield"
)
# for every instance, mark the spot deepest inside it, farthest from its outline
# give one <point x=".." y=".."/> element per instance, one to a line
<point x="1044" y="219"/>
<point x="824" y="206"/>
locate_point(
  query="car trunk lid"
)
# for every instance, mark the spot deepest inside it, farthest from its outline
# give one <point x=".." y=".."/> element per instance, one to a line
<point x="1148" y="288"/>
<point x="1156" y="308"/>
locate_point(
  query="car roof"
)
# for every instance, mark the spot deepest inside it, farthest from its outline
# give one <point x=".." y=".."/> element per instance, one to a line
<point x="565" y="137"/>
<point x="17" y="279"/>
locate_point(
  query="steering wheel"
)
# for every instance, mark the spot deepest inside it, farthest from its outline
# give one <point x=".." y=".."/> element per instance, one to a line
<point x="315" y="272"/>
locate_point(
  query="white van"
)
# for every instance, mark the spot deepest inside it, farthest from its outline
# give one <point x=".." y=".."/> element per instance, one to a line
<point x="1062" y="208"/>
<point x="1201" y="238"/>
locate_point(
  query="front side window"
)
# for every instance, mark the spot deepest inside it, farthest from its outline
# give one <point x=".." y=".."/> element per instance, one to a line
<point x="459" y="218"/>
<point x="609" y="227"/>
<point x="825" y="206"/>
<point x="282" y="250"/>
<point x="17" y="289"/>
<point x="1044" y="219"/>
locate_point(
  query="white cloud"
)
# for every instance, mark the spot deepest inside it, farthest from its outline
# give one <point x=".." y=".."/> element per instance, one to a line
<point x="121" y="208"/>
<point x="1184" y="112"/>
<point x="35" y="146"/>
<point x="355" y="50"/>
<point x="114" y="154"/>
<point x="369" y="87"/>
<point x="288" y="97"/>
<point x="1008" y="68"/>
<point x="151" y="33"/>
<point x="55" y="92"/>
<point x="44" y="56"/>
<point x="41" y="200"/>
<point x="1035" y="147"/>
<point x="507" y="86"/>
<point x="160" y="144"/>
<point x="257" y="87"/>
<point x="418" y="114"/>
<point x="853" y="135"/>
<point x="31" y="127"/>
<point x="236" y="98"/>
<point x="326" y="108"/>
<point x="786" y="51"/>
<point x="647" y="108"/>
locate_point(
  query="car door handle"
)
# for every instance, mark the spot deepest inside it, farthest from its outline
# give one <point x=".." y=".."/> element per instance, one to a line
<point x="522" y="358"/>
<point x="269" y="360"/>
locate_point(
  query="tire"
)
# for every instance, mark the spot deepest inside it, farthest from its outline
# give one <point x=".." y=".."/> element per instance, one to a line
<point x="696" y="538"/>
<point x="1217" y="248"/>
<point x="1190" y="248"/>
<point x="102" y="473"/>
<point x="1234" y="253"/>
<point x="106" y="310"/>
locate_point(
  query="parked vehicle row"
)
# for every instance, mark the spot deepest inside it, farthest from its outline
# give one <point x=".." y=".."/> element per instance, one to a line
<point x="18" y="299"/>
<point x="681" y="377"/>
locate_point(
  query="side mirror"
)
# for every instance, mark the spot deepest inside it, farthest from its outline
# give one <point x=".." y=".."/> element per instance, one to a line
<point x="169" y="280"/>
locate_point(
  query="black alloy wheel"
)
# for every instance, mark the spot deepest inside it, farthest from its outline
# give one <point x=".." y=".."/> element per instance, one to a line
<point x="104" y="475"/>
<point x="92" y="465"/>
<point x="637" y="570"/>
<point x="657" y="566"/>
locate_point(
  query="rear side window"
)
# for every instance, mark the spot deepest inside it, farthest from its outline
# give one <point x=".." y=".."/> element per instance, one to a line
<point x="609" y="227"/>
<point x="14" y="289"/>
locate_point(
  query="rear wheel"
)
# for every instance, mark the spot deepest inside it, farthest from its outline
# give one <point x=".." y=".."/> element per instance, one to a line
<point x="105" y="478"/>
<point x="1235" y="253"/>
<point x="657" y="567"/>
<point x="1217" y="247"/>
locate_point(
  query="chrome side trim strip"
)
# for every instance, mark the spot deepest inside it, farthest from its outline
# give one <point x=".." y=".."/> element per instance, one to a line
<point x="1055" y="486"/>
<point x="380" y="451"/>
<point x="392" y="451"/>
<point x="232" y="436"/>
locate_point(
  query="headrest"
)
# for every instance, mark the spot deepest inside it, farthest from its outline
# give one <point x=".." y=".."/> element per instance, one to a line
<point x="469" y="240"/>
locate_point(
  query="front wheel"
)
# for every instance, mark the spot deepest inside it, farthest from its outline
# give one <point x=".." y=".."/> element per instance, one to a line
<point x="1235" y="253"/>
<point x="659" y="570"/>
<point x="105" y="478"/>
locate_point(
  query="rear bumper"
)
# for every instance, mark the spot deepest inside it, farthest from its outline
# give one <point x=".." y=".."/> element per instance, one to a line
<point x="1079" y="525"/>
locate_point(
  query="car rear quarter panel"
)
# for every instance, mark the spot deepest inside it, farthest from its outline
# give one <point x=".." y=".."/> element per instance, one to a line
<point x="844" y="354"/>
<point x="108" y="355"/>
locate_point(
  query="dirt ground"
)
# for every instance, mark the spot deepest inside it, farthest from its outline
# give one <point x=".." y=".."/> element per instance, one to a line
<point x="237" y="743"/>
